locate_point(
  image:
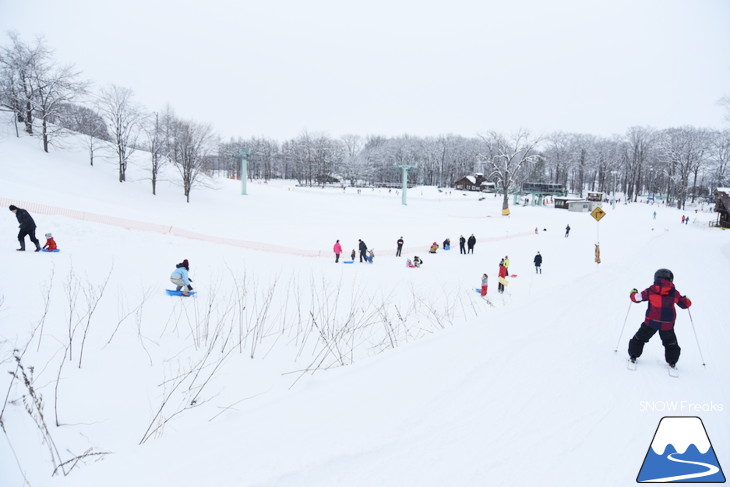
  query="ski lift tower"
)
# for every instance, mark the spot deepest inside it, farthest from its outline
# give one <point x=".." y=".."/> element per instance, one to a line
<point x="405" y="169"/>
<point x="244" y="170"/>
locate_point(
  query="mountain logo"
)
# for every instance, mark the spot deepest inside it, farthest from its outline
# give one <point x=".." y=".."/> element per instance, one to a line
<point x="681" y="452"/>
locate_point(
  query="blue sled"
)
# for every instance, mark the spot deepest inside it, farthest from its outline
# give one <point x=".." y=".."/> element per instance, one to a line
<point x="348" y="261"/>
<point x="54" y="250"/>
<point x="172" y="292"/>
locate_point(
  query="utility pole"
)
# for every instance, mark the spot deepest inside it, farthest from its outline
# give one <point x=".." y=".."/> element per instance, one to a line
<point x="244" y="170"/>
<point x="405" y="169"/>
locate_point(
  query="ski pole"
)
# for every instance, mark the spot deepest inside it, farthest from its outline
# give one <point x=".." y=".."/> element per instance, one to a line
<point x="622" y="329"/>
<point x="696" y="339"/>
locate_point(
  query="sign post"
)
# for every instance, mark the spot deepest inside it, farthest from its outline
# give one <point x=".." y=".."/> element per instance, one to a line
<point x="597" y="214"/>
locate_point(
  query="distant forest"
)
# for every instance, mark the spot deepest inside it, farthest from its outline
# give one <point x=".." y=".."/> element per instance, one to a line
<point x="50" y="101"/>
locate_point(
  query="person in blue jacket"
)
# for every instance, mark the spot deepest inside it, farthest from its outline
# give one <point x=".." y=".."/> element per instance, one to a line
<point x="180" y="278"/>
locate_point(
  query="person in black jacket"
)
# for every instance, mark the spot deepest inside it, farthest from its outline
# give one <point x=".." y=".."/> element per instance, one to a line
<point x="27" y="227"/>
<point x="470" y="243"/>
<point x="363" y="251"/>
<point x="538" y="262"/>
<point x="400" y="247"/>
<point x="462" y="241"/>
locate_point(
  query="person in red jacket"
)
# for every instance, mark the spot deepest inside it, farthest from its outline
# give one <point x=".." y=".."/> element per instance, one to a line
<point x="50" y="243"/>
<point x="660" y="316"/>
<point x="502" y="275"/>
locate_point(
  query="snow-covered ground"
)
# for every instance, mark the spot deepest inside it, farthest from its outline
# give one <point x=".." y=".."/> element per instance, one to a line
<point x="290" y="370"/>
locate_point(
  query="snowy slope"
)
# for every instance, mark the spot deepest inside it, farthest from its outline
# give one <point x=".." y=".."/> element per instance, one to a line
<point x="438" y="388"/>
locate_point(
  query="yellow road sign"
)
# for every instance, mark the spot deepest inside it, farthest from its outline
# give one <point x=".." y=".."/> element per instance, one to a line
<point x="598" y="213"/>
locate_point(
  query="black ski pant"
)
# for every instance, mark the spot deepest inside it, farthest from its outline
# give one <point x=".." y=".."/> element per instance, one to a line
<point x="363" y="256"/>
<point x="397" y="252"/>
<point x="337" y="258"/>
<point x="471" y="250"/>
<point x="31" y="234"/>
<point x="669" y="340"/>
<point x="461" y="249"/>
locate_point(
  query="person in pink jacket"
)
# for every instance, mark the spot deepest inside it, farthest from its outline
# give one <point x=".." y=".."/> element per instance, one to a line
<point x="337" y="250"/>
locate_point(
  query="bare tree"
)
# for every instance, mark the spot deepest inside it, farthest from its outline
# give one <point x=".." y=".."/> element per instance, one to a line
<point x="123" y="119"/>
<point x="637" y="148"/>
<point x="53" y="87"/>
<point x="85" y="121"/>
<point x="506" y="157"/>
<point x="190" y="144"/>
<point x="155" y="145"/>
<point x="683" y="150"/>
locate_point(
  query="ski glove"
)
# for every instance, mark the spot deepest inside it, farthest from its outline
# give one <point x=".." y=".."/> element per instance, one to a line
<point x="190" y="279"/>
<point x="190" y="287"/>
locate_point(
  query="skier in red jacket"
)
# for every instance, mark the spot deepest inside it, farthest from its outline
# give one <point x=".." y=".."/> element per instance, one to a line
<point x="660" y="316"/>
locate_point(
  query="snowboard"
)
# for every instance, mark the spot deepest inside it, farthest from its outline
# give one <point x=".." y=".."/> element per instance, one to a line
<point x="54" y="250"/>
<point x="503" y="281"/>
<point x="172" y="292"/>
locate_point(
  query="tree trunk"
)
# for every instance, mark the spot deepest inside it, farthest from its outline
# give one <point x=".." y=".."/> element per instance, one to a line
<point x="45" y="135"/>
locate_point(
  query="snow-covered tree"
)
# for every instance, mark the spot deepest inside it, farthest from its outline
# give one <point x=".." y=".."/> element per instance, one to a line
<point x="683" y="151"/>
<point x="637" y="150"/>
<point x="506" y="157"/>
<point x="17" y="64"/>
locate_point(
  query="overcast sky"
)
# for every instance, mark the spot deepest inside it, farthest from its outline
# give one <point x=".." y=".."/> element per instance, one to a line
<point x="279" y="68"/>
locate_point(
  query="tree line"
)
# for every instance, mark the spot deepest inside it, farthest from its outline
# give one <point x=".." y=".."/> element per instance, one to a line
<point x="48" y="100"/>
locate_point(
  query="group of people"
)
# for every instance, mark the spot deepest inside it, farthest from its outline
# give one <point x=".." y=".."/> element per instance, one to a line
<point x="661" y="296"/>
<point x="470" y="242"/>
<point x="368" y="255"/>
<point x="27" y="228"/>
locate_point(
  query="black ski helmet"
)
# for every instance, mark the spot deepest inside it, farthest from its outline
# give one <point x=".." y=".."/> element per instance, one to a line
<point x="664" y="274"/>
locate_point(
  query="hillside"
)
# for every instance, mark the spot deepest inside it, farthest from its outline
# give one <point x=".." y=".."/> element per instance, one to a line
<point x="290" y="370"/>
